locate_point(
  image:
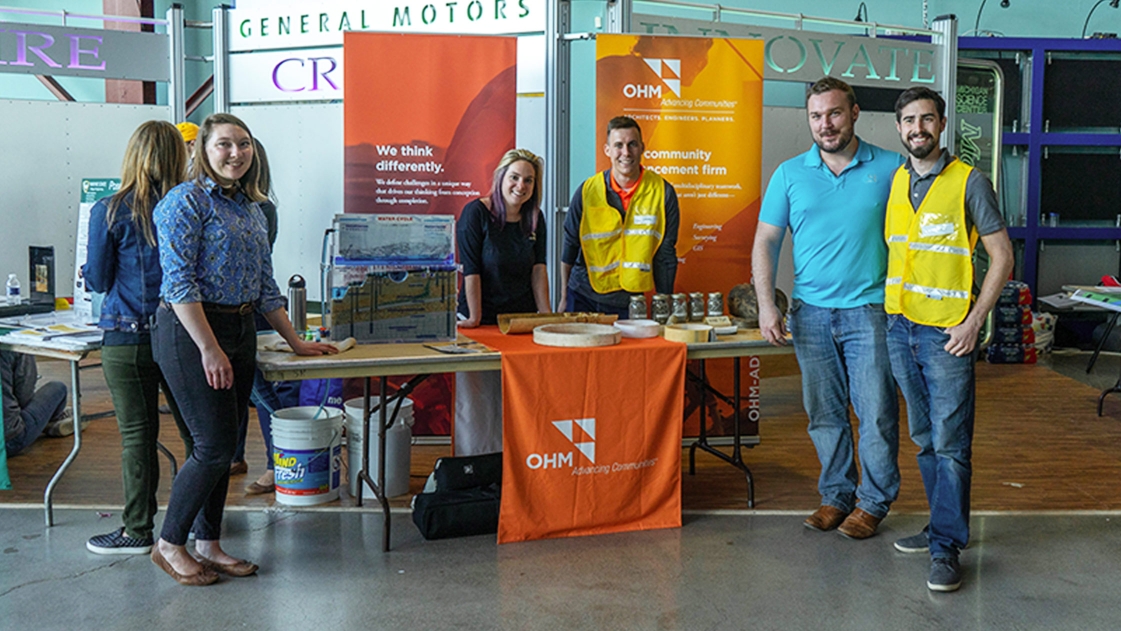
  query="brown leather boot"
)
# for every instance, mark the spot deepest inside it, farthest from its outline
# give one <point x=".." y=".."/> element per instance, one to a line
<point x="859" y="525"/>
<point x="825" y="518"/>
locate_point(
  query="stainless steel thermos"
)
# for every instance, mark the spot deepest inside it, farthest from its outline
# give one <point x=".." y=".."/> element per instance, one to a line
<point x="297" y="303"/>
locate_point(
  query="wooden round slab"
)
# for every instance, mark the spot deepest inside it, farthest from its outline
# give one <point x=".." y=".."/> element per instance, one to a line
<point x="687" y="333"/>
<point x="576" y="335"/>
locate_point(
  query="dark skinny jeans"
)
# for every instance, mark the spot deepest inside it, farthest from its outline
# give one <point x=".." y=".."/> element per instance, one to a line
<point x="198" y="494"/>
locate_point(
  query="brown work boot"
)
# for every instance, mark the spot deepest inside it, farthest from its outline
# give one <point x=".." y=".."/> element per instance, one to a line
<point x="859" y="525"/>
<point x="826" y="517"/>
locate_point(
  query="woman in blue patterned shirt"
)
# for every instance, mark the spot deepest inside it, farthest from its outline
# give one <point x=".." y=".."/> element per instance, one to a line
<point x="217" y="270"/>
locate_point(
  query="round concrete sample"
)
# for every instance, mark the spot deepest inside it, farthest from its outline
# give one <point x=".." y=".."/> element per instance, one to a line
<point x="576" y="335"/>
<point x="638" y="328"/>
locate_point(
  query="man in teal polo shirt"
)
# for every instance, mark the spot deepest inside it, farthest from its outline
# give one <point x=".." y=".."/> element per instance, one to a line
<point x="833" y="198"/>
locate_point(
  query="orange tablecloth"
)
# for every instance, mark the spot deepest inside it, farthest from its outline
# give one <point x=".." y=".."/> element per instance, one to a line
<point x="591" y="437"/>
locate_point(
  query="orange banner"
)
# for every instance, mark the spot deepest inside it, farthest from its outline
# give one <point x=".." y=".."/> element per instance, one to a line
<point x="591" y="437"/>
<point x="426" y="119"/>
<point x="699" y="102"/>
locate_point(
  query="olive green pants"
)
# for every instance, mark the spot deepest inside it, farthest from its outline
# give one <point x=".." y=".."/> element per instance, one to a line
<point x="134" y="381"/>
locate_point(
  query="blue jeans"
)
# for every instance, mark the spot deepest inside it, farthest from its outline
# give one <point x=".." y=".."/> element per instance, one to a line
<point x="939" y="389"/>
<point x="20" y="430"/>
<point x="267" y="397"/>
<point x="843" y="357"/>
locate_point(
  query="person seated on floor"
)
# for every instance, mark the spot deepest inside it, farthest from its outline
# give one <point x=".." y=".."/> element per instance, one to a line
<point x="28" y="412"/>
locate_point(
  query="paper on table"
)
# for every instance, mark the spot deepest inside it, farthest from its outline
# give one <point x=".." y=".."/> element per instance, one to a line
<point x="62" y="336"/>
<point x="1104" y="297"/>
<point x="273" y="342"/>
<point x="1060" y="300"/>
<point x="56" y="330"/>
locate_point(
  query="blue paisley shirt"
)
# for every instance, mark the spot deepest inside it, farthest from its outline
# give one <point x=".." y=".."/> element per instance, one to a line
<point x="213" y="248"/>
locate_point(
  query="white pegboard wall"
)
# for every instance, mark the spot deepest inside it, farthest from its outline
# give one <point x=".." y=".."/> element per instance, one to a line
<point x="46" y="149"/>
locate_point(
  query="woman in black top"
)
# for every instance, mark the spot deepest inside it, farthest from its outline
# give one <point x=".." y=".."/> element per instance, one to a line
<point x="501" y="242"/>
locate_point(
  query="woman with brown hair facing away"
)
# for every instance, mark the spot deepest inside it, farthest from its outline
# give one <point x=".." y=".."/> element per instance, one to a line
<point x="124" y="263"/>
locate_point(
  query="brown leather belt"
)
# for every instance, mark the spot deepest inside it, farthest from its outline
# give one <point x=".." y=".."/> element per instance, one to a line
<point x="213" y="307"/>
<point x="242" y="309"/>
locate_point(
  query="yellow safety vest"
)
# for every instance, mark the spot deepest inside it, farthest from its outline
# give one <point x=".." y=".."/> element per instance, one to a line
<point x="619" y="251"/>
<point x="930" y="253"/>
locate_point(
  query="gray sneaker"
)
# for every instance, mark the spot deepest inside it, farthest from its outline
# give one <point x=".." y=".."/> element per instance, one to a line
<point x="945" y="575"/>
<point x="117" y="542"/>
<point x="914" y="543"/>
<point x="62" y="425"/>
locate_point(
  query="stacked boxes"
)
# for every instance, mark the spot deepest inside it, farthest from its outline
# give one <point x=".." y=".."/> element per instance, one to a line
<point x="1013" y="336"/>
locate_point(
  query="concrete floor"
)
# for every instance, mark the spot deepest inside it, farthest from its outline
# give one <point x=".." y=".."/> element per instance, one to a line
<point x="1072" y="363"/>
<point x="747" y="570"/>
<point x="721" y="571"/>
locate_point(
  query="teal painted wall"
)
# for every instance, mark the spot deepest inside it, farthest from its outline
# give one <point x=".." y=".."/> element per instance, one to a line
<point x="1022" y="18"/>
<point x="27" y="87"/>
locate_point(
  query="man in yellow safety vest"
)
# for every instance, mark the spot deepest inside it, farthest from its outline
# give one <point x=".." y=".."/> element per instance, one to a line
<point x="620" y="234"/>
<point x="937" y="208"/>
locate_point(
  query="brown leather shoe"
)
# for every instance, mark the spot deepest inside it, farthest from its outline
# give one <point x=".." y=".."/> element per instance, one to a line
<point x="256" y="488"/>
<point x="203" y="577"/>
<point x="241" y="568"/>
<point x="239" y="468"/>
<point x="826" y="517"/>
<point x="859" y="525"/>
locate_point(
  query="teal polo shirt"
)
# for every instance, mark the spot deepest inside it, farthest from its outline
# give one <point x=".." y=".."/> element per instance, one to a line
<point x="836" y="224"/>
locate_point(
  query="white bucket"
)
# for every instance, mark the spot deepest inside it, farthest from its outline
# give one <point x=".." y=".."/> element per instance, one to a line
<point x="398" y="443"/>
<point x="307" y="454"/>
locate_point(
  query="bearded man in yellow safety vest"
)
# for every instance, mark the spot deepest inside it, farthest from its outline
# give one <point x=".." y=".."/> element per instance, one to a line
<point x="937" y="208"/>
<point x="620" y="235"/>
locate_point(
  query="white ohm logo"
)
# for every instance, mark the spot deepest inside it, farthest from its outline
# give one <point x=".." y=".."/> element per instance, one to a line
<point x="668" y="71"/>
<point x="560" y="459"/>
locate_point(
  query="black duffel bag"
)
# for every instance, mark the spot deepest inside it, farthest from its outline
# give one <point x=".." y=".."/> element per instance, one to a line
<point x="463" y="500"/>
<point x="468" y="472"/>
<point x="461" y="513"/>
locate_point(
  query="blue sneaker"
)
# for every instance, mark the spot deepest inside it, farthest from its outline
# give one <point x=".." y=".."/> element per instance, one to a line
<point x="945" y="575"/>
<point x="914" y="543"/>
<point x="117" y="542"/>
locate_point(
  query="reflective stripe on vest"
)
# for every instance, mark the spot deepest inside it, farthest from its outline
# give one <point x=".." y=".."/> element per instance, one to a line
<point x="618" y="251"/>
<point x="930" y="266"/>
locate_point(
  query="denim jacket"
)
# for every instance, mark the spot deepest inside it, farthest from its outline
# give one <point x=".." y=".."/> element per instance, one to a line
<point x="122" y="264"/>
